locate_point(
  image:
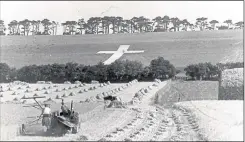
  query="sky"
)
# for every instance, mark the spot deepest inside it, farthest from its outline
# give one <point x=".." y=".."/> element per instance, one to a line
<point x="62" y="11"/>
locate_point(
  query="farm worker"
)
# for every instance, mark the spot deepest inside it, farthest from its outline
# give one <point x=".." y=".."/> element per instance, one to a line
<point x="46" y="115"/>
<point x="64" y="108"/>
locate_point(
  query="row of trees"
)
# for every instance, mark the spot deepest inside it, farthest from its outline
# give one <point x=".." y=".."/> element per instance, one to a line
<point x="25" y="27"/>
<point x="207" y="71"/>
<point x="103" y="25"/>
<point x="119" y="71"/>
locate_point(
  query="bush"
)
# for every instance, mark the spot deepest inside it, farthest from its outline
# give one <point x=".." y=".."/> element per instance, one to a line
<point x="207" y="71"/>
<point x="162" y="69"/>
<point x="119" y="71"/>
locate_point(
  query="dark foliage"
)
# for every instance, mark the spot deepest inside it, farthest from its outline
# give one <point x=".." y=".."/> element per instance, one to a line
<point x="119" y="71"/>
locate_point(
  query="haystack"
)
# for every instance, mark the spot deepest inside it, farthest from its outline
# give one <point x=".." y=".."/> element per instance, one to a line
<point x="99" y="96"/>
<point x="146" y="90"/>
<point x="87" y="100"/>
<point x="67" y="82"/>
<point x="28" y="86"/>
<point x="23" y="97"/>
<point x="15" y="99"/>
<point x="80" y="85"/>
<point x="84" y="84"/>
<point x="37" y="89"/>
<point x="24" y="101"/>
<point x="19" y="88"/>
<point x="64" y="89"/>
<point x="57" y="97"/>
<point x="57" y="90"/>
<point x="40" y="82"/>
<point x="46" y="92"/>
<point x="35" y="95"/>
<point x="71" y="94"/>
<point x="90" y="88"/>
<point x="78" y="82"/>
<point x="150" y="87"/>
<point x="81" y="91"/>
<point x="27" y="91"/>
<point x="85" y="90"/>
<point x="49" y="82"/>
<point x="64" y="95"/>
<point x="14" y="93"/>
<point x="1" y="95"/>
<point x="69" y="87"/>
<point x="49" y="100"/>
<point x="155" y="85"/>
<point x="94" y="87"/>
<point x="49" y="87"/>
<point x="9" y="89"/>
<point x="55" y="86"/>
<point x="95" y="82"/>
<point x="75" y="87"/>
<point x="44" y="88"/>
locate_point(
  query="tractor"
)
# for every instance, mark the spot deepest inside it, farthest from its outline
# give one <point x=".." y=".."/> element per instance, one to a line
<point x="57" y="124"/>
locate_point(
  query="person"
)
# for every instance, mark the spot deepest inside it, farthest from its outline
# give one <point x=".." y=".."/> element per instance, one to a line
<point x="46" y="115"/>
<point x="64" y="109"/>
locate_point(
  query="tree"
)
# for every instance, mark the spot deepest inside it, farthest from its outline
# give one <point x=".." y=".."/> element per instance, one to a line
<point x="201" y="22"/>
<point x="166" y="21"/>
<point x="4" y="72"/>
<point x="13" y="27"/>
<point x="185" y="23"/>
<point x="26" y="26"/>
<point x="2" y="28"/>
<point x="81" y="23"/>
<point x="53" y="27"/>
<point x="228" y="22"/>
<point x="69" y="27"/>
<point x="213" y="23"/>
<point x="176" y="22"/>
<point x="240" y="24"/>
<point x="46" y="23"/>
<point x="159" y="21"/>
<point x="161" y="68"/>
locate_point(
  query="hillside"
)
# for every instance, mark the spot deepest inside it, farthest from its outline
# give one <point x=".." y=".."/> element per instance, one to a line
<point x="180" y="48"/>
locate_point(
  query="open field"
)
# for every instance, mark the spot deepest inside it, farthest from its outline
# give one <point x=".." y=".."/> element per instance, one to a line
<point x="178" y="91"/>
<point x="142" y="120"/>
<point x="180" y="48"/>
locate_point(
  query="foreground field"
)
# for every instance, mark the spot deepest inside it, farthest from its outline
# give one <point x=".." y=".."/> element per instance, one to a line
<point x="180" y="48"/>
<point x="216" y="120"/>
<point x="141" y="120"/>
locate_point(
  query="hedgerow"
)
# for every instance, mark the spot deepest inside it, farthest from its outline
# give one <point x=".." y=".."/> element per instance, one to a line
<point x="119" y="71"/>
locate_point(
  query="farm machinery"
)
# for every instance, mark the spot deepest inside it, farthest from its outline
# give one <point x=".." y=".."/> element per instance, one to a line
<point x="57" y="123"/>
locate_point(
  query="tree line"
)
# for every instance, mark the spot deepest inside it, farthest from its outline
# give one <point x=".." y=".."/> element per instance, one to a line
<point x="118" y="71"/>
<point x="103" y="25"/>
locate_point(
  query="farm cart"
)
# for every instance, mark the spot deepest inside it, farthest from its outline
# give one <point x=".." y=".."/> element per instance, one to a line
<point x="58" y="123"/>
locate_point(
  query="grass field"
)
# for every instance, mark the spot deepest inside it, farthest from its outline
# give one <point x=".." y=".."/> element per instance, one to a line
<point x="177" y="91"/>
<point x="180" y="48"/>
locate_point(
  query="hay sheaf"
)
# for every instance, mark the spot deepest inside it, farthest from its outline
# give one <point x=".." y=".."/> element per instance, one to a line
<point x="231" y="84"/>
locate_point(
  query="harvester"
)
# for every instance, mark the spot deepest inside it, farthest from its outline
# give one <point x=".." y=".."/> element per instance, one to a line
<point x="59" y="124"/>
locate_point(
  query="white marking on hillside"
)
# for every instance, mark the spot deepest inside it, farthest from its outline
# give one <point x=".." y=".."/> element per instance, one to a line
<point x="117" y="54"/>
